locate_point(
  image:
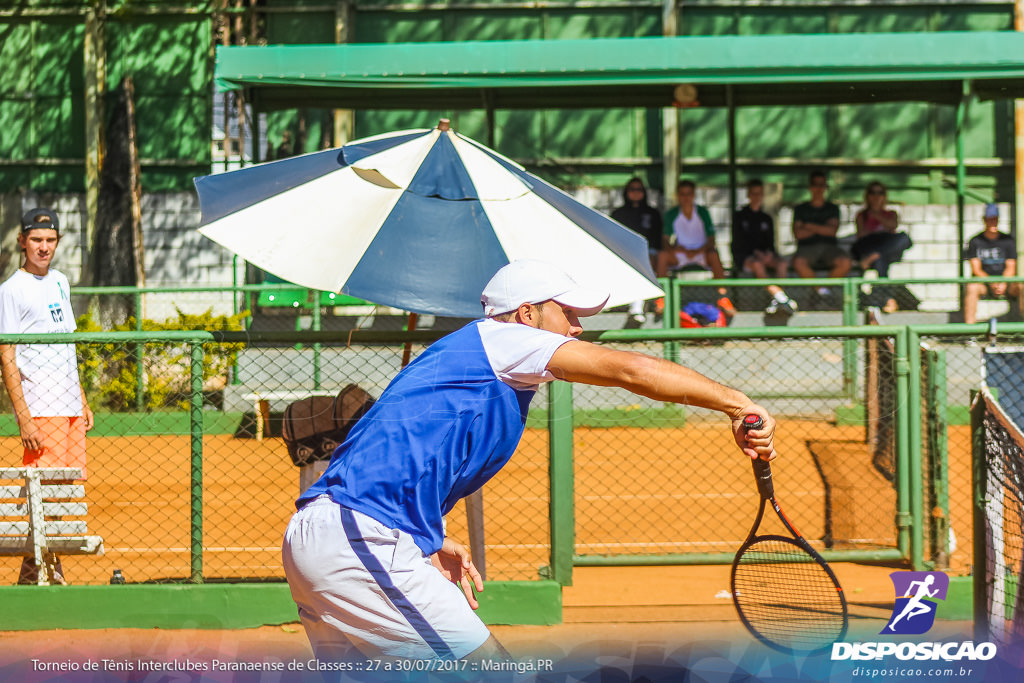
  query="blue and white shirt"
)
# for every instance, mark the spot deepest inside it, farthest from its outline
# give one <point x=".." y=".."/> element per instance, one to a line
<point x="444" y="426"/>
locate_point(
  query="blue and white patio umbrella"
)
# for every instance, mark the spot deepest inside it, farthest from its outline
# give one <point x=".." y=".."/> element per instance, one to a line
<point x="419" y="220"/>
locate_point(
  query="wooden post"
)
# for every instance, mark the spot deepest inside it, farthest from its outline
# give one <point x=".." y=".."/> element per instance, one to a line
<point x="95" y="78"/>
<point x="731" y="117"/>
<point x="671" y="166"/>
<point x="135" y="193"/>
<point x="344" y="119"/>
<point x="222" y="21"/>
<point x="407" y="350"/>
<point x="475" y="522"/>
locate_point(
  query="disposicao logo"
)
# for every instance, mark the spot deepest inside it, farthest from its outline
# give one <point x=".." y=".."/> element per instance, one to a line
<point x="913" y="614"/>
<point x="914" y="611"/>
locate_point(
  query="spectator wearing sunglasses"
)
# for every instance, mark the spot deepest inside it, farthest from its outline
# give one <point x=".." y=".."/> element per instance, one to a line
<point x="878" y="244"/>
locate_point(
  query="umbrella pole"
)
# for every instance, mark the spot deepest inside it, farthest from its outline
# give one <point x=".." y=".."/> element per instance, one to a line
<point x="475" y="523"/>
<point x="410" y="326"/>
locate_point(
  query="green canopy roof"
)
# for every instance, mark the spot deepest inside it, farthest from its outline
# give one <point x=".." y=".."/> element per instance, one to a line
<point x="641" y="72"/>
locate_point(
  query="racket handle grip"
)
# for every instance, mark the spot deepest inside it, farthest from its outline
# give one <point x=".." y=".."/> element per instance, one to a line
<point x="763" y="477"/>
<point x="762" y="468"/>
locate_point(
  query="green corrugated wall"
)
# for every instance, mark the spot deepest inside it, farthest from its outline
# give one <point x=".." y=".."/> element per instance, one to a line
<point x="165" y="46"/>
<point x="902" y="132"/>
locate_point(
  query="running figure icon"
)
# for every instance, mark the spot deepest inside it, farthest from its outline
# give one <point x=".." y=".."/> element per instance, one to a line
<point x="915" y="605"/>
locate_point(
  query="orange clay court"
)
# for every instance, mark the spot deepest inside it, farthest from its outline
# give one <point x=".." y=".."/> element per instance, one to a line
<point x="631" y="502"/>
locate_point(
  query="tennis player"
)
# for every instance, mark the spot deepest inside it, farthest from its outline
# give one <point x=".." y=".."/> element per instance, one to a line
<point x="366" y="554"/>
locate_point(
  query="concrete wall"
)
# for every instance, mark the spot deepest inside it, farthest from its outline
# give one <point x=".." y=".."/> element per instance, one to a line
<point x="177" y="255"/>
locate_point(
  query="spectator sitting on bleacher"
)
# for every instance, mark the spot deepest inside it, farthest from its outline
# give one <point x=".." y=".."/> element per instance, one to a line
<point x="878" y="244"/>
<point x="753" y="247"/>
<point x="689" y="239"/>
<point x="815" y="224"/>
<point x="991" y="253"/>
<point x="643" y="219"/>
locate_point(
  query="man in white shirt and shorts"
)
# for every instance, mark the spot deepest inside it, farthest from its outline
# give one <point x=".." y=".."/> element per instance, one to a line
<point x="366" y="555"/>
<point x="689" y="240"/>
<point x="42" y="379"/>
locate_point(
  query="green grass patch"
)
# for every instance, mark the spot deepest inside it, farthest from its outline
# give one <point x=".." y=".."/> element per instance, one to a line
<point x="855" y="415"/>
<point x="226" y="605"/>
<point x="958" y="415"/>
<point x="850" y="415"/>
<point x="147" y="424"/>
<point x="668" y="415"/>
<point x="1010" y="589"/>
<point x="959" y="602"/>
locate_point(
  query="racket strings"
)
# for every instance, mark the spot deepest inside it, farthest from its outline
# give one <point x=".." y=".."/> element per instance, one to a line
<point x="787" y="597"/>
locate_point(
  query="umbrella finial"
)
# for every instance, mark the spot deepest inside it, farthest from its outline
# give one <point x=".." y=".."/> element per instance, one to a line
<point x="444" y="125"/>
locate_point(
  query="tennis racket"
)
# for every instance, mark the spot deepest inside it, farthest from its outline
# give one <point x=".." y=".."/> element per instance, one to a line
<point x="786" y="594"/>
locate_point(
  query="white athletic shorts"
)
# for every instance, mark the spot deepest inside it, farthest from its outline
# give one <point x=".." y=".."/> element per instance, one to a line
<point x="683" y="260"/>
<point x="358" y="582"/>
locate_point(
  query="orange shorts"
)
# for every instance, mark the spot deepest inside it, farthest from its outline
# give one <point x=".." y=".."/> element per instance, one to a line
<point x="63" y="443"/>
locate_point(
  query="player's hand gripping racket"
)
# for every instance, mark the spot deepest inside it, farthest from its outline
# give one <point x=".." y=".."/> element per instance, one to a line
<point x="784" y="591"/>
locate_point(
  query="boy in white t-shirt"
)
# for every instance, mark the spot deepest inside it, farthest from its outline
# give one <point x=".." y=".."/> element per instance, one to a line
<point x="42" y="379"/>
<point x="689" y="239"/>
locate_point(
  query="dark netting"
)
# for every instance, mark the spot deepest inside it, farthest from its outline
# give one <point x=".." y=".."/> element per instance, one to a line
<point x="935" y="457"/>
<point x="951" y="368"/>
<point x="1004" y="516"/>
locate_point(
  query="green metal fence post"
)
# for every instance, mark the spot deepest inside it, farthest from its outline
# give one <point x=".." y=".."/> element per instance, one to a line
<point x="913" y="459"/>
<point x="904" y="515"/>
<point x="961" y="172"/>
<point x="235" y="310"/>
<point x="298" y="318"/>
<point x="938" y="448"/>
<point x="316" y="346"/>
<point x="140" y="372"/>
<point x="560" y="472"/>
<point x="670" y="315"/>
<point x="850" y="290"/>
<point x="196" y="474"/>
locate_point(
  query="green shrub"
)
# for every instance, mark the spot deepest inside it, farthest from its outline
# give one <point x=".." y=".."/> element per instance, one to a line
<point x="110" y="371"/>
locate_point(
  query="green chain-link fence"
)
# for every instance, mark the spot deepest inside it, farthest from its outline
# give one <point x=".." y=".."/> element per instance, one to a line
<point x="189" y="480"/>
<point x="144" y="464"/>
<point x="666" y="484"/>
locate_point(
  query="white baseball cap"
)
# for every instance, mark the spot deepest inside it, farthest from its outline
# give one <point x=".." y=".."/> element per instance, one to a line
<point x="528" y="281"/>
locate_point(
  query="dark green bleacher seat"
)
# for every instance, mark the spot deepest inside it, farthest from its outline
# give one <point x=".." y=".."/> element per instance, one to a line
<point x="296" y="298"/>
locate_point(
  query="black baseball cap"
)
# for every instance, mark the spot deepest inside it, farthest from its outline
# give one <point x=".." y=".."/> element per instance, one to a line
<point x="40" y="218"/>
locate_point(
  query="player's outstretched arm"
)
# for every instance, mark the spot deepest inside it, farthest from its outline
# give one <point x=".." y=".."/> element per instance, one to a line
<point x="664" y="380"/>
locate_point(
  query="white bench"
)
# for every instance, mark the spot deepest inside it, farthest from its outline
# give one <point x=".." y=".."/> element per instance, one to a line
<point x="261" y="404"/>
<point x="28" y="509"/>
